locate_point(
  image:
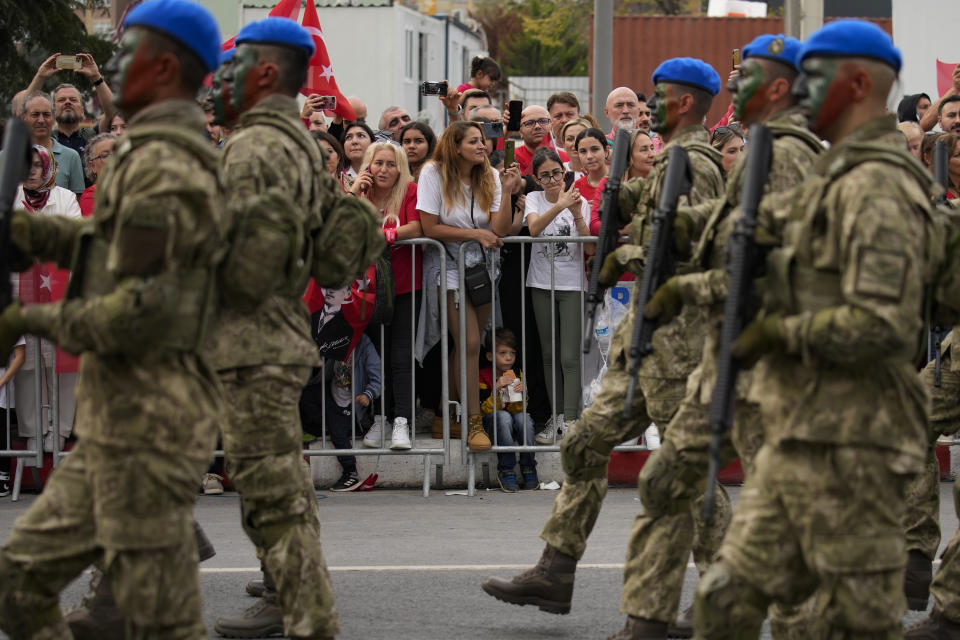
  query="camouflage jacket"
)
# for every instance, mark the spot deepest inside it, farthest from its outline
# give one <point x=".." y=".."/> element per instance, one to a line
<point x="677" y="345"/>
<point x="260" y="158"/>
<point x="795" y="149"/>
<point x="142" y="287"/>
<point x="851" y="279"/>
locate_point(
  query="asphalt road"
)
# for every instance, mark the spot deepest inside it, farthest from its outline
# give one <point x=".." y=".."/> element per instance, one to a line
<point x="408" y="567"/>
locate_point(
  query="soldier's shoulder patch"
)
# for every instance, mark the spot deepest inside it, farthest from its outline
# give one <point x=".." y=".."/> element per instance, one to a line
<point x="881" y="273"/>
<point x="241" y="177"/>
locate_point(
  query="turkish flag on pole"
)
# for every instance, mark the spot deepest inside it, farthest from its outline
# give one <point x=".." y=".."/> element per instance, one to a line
<point x="320" y="74"/>
<point x="944" y="76"/>
<point x="43" y="283"/>
<point x="289" y="9"/>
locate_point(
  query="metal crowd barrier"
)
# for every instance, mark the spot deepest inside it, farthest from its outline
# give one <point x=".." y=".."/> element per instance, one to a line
<point x="439" y="456"/>
<point x="472" y="457"/>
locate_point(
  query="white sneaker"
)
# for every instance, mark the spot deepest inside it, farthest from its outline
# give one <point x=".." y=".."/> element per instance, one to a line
<point x="567" y="425"/>
<point x="374" y="436"/>
<point x="652" y="437"/>
<point x="212" y="484"/>
<point x="401" y="435"/>
<point x="551" y="431"/>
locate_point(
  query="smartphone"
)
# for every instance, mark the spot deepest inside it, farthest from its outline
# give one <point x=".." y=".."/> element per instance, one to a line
<point x="568" y="180"/>
<point x="508" y="148"/>
<point x="327" y="103"/>
<point x="68" y="62"/>
<point x="492" y="130"/>
<point x="433" y="89"/>
<point x="515" y="108"/>
<point x="364" y="188"/>
<point x="735" y="58"/>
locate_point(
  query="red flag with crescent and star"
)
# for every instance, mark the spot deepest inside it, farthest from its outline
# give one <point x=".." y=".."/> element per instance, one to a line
<point x="320" y="74"/>
<point x="43" y="283"/>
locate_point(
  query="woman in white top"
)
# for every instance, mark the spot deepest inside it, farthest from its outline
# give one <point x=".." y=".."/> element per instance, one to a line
<point x="41" y="196"/>
<point x="557" y="266"/>
<point x="458" y="197"/>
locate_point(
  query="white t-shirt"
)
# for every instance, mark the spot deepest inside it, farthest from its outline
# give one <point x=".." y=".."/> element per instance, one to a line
<point x="564" y="256"/>
<point x="430" y="200"/>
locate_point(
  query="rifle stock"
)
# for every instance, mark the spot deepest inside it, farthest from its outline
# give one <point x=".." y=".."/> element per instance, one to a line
<point x="609" y="225"/>
<point x="941" y="167"/>
<point x="660" y="261"/>
<point x="743" y="258"/>
<point x="14" y="169"/>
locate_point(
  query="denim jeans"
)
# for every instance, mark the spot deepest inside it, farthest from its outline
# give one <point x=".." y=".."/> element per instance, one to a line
<point x="510" y="430"/>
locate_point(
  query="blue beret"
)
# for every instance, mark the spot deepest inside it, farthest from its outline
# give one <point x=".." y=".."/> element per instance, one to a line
<point x="852" y="39"/>
<point x="279" y="31"/>
<point x="779" y="48"/>
<point x="690" y="71"/>
<point x="189" y="23"/>
<point x="227" y="56"/>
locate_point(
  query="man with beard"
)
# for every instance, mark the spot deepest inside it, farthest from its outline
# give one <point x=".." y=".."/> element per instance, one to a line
<point x="949" y="117"/>
<point x="38" y="114"/>
<point x="534" y="126"/>
<point x="685" y="91"/>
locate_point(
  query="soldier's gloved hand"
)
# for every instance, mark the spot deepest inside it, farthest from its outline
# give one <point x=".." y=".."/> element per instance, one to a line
<point x="683" y="234"/>
<point x="21" y="241"/>
<point x="629" y="196"/>
<point x="758" y="338"/>
<point x="665" y="303"/>
<point x="625" y="258"/>
<point x="12" y="326"/>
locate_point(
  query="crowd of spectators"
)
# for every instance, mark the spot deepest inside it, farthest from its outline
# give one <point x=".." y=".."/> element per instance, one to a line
<point x="451" y="184"/>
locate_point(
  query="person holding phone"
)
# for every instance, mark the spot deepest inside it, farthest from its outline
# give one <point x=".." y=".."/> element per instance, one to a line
<point x="459" y="201"/>
<point x="534" y="126"/>
<point x="556" y="280"/>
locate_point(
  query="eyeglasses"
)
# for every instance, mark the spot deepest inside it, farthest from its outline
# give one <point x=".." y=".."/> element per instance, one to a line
<point x="543" y="122"/>
<point x="102" y="156"/>
<point x="554" y="176"/>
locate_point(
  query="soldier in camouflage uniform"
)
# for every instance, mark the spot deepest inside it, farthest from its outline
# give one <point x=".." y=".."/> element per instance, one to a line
<point x="685" y="90"/>
<point x="672" y="481"/>
<point x="843" y="410"/>
<point x="142" y="289"/>
<point x="287" y="215"/>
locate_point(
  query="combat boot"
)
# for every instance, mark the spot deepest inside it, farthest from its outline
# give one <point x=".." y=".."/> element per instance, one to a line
<point x="97" y="617"/>
<point x="917" y="579"/>
<point x="935" y="627"/>
<point x="262" y="620"/>
<point x="641" y="629"/>
<point x="682" y="627"/>
<point x="548" y="585"/>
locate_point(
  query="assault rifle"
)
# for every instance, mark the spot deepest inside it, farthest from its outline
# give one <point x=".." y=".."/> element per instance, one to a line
<point x="14" y="169"/>
<point x="660" y="260"/>
<point x="609" y="228"/>
<point x="941" y="165"/>
<point x="743" y="259"/>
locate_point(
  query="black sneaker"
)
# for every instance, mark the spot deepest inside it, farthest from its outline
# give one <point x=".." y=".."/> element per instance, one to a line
<point x="4" y="485"/>
<point x="347" y="482"/>
<point x="530" y="479"/>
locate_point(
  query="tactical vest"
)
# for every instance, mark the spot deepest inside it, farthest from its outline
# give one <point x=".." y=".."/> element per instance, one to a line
<point x="793" y="284"/>
<point x="91" y="275"/>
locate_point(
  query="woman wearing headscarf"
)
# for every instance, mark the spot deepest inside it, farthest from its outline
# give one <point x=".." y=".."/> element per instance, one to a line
<point x="912" y="107"/>
<point x="39" y="195"/>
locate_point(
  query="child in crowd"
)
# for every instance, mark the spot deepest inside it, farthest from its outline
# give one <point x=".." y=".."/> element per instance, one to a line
<point x="504" y="397"/>
<point x="342" y="392"/>
<point x="6" y="404"/>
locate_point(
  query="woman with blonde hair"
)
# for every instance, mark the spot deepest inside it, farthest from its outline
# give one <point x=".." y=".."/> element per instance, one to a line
<point x="384" y="179"/>
<point x="459" y="200"/>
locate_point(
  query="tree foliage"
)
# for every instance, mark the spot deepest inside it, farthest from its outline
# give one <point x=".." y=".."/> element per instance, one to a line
<point x="538" y="37"/>
<point x="34" y="29"/>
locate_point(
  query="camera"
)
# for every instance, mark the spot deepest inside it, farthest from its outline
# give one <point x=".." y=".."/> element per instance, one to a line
<point x="433" y="89"/>
<point x="492" y="130"/>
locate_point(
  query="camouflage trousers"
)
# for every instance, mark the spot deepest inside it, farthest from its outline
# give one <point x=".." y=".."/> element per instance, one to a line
<point x="946" y="584"/>
<point x="262" y="441"/>
<point x="816" y="520"/>
<point x="585" y="450"/>
<point x="672" y="487"/>
<point x="131" y="513"/>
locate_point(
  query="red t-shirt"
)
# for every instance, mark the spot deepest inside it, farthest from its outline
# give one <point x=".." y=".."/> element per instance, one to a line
<point x="87" y="200"/>
<point x="596" y="222"/>
<point x="524" y="158"/>
<point x="466" y="86"/>
<point x="400" y="256"/>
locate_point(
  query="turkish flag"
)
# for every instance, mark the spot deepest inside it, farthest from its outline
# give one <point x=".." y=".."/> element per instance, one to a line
<point x="944" y="76"/>
<point x="320" y="74"/>
<point x="289" y="9"/>
<point x="44" y="283"/>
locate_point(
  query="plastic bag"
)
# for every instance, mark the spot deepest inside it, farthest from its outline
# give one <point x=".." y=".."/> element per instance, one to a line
<point x="608" y="318"/>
